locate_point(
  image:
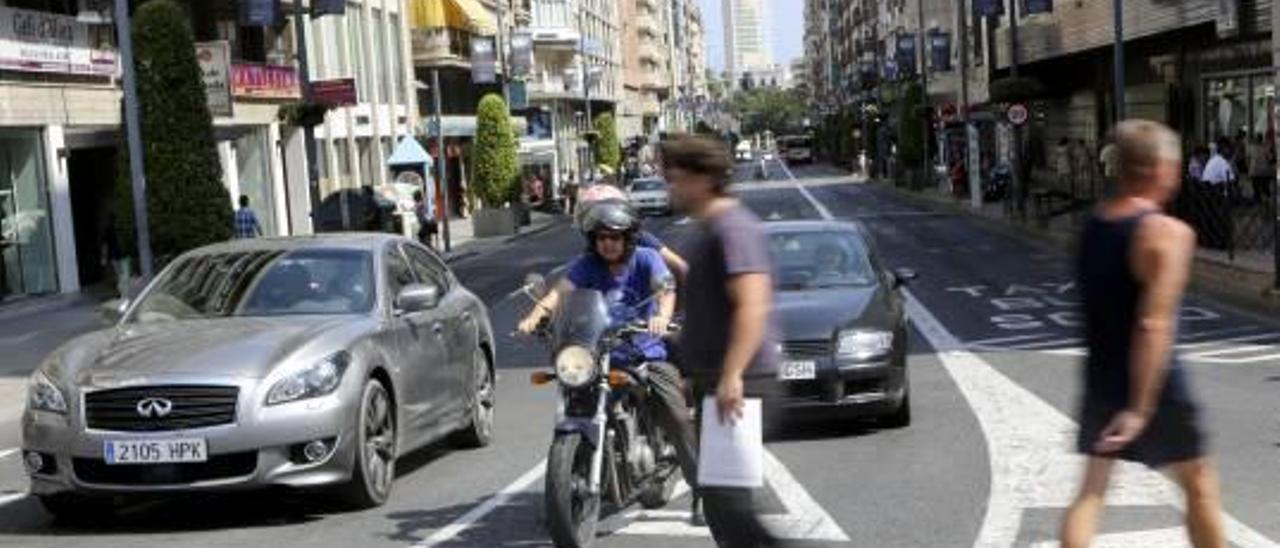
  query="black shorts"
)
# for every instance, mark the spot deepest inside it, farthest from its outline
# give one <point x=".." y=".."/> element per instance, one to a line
<point x="1173" y="435"/>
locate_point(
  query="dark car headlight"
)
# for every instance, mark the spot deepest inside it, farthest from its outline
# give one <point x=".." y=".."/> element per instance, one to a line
<point x="44" y="395"/>
<point x="863" y="344"/>
<point x="318" y="379"/>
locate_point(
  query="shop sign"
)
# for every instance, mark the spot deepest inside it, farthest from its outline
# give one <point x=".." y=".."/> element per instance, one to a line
<point x="215" y="70"/>
<point x="260" y="13"/>
<point x="255" y="81"/>
<point x="521" y="62"/>
<point x="940" y="50"/>
<point x="35" y="41"/>
<point x="987" y="8"/>
<point x="328" y="7"/>
<point x="1032" y="7"/>
<point x="483" y="61"/>
<point x="339" y="92"/>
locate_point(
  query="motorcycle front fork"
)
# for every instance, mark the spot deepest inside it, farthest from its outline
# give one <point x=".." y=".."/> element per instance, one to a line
<point x="600" y="422"/>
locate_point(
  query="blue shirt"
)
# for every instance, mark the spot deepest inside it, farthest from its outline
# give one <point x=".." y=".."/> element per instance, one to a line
<point x="246" y="224"/>
<point x="626" y="291"/>
<point x="644" y="238"/>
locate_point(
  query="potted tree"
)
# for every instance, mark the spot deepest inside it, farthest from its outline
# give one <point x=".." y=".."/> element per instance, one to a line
<point x="494" y="169"/>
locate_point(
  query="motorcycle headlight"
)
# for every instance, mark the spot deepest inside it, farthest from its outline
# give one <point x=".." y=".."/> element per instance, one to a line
<point x="575" y="366"/>
<point x="43" y="395"/>
<point x="319" y="379"/>
<point x="861" y="344"/>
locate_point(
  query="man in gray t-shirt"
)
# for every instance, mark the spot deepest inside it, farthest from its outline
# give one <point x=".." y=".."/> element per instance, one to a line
<point x="728" y="298"/>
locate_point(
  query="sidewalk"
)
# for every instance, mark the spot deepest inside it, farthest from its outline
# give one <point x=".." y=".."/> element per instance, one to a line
<point x="465" y="245"/>
<point x="1245" y="282"/>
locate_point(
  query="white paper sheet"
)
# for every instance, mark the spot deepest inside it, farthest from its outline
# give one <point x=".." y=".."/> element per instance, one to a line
<point x="731" y="455"/>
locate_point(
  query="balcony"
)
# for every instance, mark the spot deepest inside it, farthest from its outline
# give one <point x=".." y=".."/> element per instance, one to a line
<point x="650" y="51"/>
<point x="647" y="24"/>
<point x="441" y="47"/>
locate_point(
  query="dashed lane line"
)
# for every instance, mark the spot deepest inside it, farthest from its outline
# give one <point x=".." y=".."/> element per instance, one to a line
<point x="6" y="452"/>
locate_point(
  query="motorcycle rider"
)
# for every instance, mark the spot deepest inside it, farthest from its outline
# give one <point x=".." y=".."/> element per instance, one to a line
<point x="628" y="275"/>
<point x="644" y="238"/>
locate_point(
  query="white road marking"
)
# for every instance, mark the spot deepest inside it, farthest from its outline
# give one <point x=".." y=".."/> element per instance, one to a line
<point x="6" y="452"/>
<point x="994" y="342"/>
<point x="1172" y="536"/>
<point x="1215" y="342"/>
<point x="469" y="519"/>
<point x="804" y="519"/>
<point x="1030" y="447"/>
<point x="1045" y="344"/>
<point x="11" y="498"/>
<point x="1215" y="332"/>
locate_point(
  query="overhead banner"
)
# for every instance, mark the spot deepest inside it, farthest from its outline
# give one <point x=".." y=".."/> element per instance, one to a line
<point x="260" y="13"/>
<point x="906" y="54"/>
<point x="215" y="69"/>
<point x="328" y="7"/>
<point x="259" y="81"/>
<point x="340" y="92"/>
<point x="521" y="61"/>
<point x="1032" y="7"/>
<point x="987" y="8"/>
<point x="484" y="60"/>
<point x="940" y="51"/>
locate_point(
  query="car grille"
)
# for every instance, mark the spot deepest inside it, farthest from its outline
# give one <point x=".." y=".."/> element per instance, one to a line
<point x="193" y="407"/>
<point x="807" y="349"/>
<point x="234" y="465"/>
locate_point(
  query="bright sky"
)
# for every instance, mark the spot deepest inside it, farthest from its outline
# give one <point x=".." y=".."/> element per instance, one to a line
<point x="786" y="30"/>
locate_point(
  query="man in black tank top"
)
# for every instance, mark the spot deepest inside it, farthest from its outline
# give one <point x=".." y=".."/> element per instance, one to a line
<point x="1137" y="406"/>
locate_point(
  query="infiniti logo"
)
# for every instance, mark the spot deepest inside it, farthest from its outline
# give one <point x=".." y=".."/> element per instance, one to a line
<point x="154" y="408"/>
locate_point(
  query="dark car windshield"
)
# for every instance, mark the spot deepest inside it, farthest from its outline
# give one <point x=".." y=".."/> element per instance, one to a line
<point x="805" y="260"/>
<point x="642" y="185"/>
<point x="262" y="283"/>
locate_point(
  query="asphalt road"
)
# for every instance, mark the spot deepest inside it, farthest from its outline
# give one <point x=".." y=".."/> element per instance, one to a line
<point x="987" y="461"/>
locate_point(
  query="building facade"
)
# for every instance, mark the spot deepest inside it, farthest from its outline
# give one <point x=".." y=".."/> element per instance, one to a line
<point x="60" y="124"/>
<point x="746" y="46"/>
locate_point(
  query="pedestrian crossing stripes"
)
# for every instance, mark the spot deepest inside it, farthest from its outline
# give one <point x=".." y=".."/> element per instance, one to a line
<point x="1245" y="345"/>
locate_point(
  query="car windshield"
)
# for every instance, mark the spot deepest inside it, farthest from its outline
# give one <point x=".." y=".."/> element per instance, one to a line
<point x="806" y="260"/>
<point x="642" y="185"/>
<point x="261" y="283"/>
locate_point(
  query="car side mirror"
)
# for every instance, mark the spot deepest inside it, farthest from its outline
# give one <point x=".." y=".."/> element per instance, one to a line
<point x="903" y="275"/>
<point x="110" y="312"/>
<point x="417" y="297"/>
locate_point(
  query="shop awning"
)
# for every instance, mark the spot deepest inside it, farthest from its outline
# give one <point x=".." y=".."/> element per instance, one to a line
<point x="467" y="15"/>
<point x="409" y="153"/>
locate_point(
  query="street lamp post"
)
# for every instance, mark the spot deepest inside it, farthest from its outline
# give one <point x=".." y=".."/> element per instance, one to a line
<point x="441" y="158"/>
<point x="1118" y="78"/>
<point x="586" y="82"/>
<point x="300" y="23"/>
<point x="133" y="132"/>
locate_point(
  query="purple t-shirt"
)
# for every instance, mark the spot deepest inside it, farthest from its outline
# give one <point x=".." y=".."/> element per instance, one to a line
<point x="730" y="244"/>
<point x="626" y="291"/>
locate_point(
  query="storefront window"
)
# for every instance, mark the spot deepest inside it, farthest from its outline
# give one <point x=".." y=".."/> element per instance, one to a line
<point x="27" y="259"/>
<point x="1227" y="108"/>
<point x="254" y="166"/>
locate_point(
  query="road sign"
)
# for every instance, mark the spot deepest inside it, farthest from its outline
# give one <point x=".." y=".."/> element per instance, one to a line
<point x="1018" y="114"/>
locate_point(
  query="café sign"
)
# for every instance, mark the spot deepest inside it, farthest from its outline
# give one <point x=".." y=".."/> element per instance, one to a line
<point x="35" y="41"/>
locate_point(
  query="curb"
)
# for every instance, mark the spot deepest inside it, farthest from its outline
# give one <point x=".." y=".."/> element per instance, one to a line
<point x="31" y="306"/>
<point x="475" y="248"/>
<point x="1244" y="289"/>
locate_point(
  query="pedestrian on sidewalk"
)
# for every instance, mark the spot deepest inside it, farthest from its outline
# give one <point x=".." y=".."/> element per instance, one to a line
<point x="726" y="348"/>
<point x="1137" y="406"/>
<point x="246" y="223"/>
<point x="425" y="213"/>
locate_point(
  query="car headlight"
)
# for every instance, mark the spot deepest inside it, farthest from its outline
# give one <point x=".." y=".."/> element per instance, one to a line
<point x="575" y="366"/>
<point x="43" y="395"/>
<point x="863" y="344"/>
<point x="321" y="378"/>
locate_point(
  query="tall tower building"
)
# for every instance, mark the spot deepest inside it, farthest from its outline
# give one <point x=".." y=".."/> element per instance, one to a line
<point x="746" y="45"/>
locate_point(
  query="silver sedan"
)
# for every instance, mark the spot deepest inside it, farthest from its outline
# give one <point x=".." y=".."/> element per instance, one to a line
<point x="301" y="362"/>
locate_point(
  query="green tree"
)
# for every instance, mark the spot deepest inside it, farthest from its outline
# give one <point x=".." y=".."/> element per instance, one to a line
<point x="607" y="149"/>
<point x="494" y="161"/>
<point x="187" y="205"/>
<point x="911" y="128"/>
<point x="776" y="110"/>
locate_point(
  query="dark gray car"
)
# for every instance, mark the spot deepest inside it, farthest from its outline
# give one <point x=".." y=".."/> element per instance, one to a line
<point x="844" y="330"/>
<point x="301" y="362"/>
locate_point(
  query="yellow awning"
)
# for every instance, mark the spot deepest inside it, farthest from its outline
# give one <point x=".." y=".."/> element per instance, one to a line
<point x="466" y="15"/>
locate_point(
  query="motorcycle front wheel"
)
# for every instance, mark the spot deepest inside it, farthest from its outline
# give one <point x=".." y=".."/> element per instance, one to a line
<point x="573" y="513"/>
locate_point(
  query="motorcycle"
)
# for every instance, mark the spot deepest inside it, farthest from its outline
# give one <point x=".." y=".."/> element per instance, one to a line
<point x="607" y="448"/>
<point x="998" y="185"/>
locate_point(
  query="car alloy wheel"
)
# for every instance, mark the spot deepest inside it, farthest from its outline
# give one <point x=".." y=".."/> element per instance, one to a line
<point x="375" y="462"/>
<point x="483" y="400"/>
